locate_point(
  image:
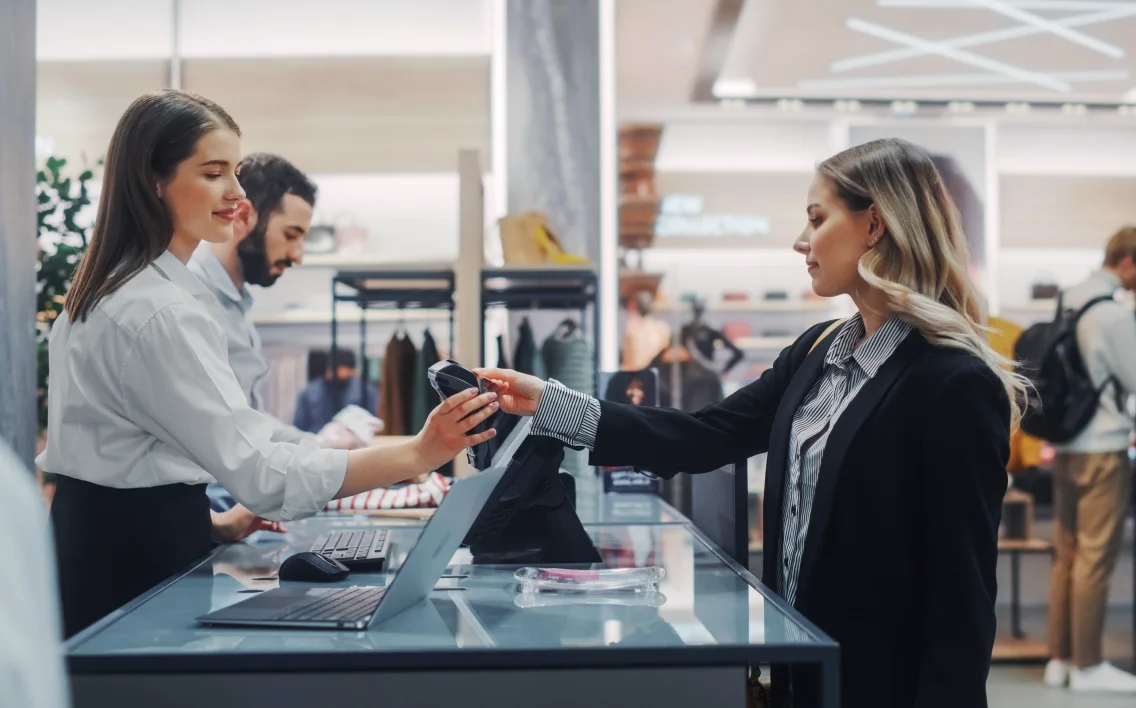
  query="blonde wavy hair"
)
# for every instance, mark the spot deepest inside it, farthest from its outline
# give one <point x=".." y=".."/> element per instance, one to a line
<point x="921" y="262"/>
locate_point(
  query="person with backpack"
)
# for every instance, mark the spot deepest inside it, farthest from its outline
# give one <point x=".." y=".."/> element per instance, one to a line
<point x="1083" y="366"/>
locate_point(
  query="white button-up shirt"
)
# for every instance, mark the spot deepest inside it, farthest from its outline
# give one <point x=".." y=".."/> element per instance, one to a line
<point x="241" y="337"/>
<point x="142" y="394"/>
<point x="31" y="653"/>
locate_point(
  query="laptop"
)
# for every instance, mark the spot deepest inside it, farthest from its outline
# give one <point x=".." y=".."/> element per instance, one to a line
<point x="364" y="607"/>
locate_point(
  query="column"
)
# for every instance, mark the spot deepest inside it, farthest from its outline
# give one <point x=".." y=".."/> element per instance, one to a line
<point x="17" y="226"/>
<point x="553" y="116"/>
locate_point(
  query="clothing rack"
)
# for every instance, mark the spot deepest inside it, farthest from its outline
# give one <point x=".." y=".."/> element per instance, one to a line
<point x="391" y="288"/>
<point x="543" y="289"/>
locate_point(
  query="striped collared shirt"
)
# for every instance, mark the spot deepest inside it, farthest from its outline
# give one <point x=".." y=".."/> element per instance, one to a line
<point x="574" y="418"/>
<point x="846" y="369"/>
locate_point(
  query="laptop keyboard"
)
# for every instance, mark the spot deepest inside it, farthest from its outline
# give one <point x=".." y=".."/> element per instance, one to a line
<point x="348" y="546"/>
<point x="346" y="605"/>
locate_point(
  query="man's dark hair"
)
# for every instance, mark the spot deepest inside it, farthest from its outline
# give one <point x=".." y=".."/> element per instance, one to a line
<point x="344" y="357"/>
<point x="267" y="178"/>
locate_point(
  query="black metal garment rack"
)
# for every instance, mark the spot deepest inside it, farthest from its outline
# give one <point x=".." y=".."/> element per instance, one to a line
<point x="401" y="289"/>
<point x="544" y="289"/>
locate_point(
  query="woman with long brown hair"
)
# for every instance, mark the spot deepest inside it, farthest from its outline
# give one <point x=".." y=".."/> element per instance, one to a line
<point x="887" y="439"/>
<point x="143" y="408"/>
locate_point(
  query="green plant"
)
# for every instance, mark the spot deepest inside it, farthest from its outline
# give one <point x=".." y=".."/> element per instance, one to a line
<point x="62" y="238"/>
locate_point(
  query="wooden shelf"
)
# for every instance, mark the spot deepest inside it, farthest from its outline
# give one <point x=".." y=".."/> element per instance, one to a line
<point x="1023" y="649"/>
<point x="1025" y="545"/>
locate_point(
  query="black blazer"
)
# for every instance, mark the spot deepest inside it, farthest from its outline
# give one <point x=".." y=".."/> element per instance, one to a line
<point x="900" y="558"/>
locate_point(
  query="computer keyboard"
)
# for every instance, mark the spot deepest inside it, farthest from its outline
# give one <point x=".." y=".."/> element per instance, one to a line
<point x="358" y="549"/>
<point x="346" y="605"/>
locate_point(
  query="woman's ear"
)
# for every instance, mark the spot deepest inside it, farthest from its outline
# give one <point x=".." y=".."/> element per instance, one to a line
<point x="876" y="226"/>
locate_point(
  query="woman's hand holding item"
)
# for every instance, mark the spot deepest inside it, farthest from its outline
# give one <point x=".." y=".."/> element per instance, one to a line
<point x="445" y="433"/>
<point x="239" y="523"/>
<point x="519" y="394"/>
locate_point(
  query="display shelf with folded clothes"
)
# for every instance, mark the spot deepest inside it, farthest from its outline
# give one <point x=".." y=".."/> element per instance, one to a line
<point x="419" y="496"/>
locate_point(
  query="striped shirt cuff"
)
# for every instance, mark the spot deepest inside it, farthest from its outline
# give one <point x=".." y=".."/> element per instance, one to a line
<point x="569" y="416"/>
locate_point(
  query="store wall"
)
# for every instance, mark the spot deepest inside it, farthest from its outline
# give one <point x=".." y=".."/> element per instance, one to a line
<point x="553" y="116"/>
<point x="17" y="226"/>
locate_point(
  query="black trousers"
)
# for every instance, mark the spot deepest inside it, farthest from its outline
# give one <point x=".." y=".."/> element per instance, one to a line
<point x="112" y="545"/>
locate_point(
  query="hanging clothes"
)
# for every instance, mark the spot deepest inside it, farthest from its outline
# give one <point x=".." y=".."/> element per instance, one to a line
<point x="569" y="358"/>
<point x="424" y="398"/>
<point x="527" y="359"/>
<point x="502" y="356"/>
<point x="397" y="385"/>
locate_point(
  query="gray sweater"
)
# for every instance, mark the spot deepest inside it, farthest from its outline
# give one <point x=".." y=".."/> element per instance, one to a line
<point x="1107" y="339"/>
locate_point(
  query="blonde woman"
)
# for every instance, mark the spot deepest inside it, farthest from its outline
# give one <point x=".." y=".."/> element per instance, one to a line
<point x="887" y="438"/>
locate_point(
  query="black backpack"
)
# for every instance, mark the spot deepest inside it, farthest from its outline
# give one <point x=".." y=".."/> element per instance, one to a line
<point x="1062" y="399"/>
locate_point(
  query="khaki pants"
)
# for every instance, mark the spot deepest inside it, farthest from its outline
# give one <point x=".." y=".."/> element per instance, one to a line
<point x="1090" y="497"/>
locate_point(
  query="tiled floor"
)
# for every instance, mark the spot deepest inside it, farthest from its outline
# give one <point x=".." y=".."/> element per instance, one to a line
<point x="1020" y="686"/>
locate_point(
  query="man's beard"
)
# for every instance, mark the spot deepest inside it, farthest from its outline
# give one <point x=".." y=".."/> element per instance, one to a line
<point x="253" y="254"/>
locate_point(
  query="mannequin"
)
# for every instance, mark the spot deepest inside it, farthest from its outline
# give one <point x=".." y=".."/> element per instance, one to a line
<point x="703" y="341"/>
<point x="646" y="335"/>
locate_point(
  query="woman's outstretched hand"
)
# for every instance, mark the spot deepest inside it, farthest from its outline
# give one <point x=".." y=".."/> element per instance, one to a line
<point x="518" y="394"/>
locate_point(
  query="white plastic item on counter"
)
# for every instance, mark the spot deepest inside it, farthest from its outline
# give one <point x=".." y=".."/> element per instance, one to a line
<point x="601" y="580"/>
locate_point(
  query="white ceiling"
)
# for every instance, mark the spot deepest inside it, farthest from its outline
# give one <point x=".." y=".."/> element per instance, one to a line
<point x="1035" y="50"/>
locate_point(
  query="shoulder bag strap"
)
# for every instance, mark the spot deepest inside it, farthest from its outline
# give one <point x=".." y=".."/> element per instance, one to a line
<point x="824" y="335"/>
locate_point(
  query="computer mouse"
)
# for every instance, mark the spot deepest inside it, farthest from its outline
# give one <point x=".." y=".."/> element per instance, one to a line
<point x="313" y="568"/>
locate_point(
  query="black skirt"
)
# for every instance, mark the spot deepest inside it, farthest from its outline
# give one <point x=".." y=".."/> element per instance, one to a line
<point x="112" y="545"/>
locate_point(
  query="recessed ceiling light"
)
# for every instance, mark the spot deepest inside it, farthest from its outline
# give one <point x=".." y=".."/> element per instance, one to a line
<point x="904" y="108"/>
<point x="734" y="88"/>
<point x="960" y="107"/>
<point x="852" y="106"/>
<point x="733" y="103"/>
<point x="1074" y="109"/>
<point x="791" y="104"/>
<point x="1018" y="107"/>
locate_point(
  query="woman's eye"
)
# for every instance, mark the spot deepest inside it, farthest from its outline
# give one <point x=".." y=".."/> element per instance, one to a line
<point x="217" y="176"/>
<point x="814" y="220"/>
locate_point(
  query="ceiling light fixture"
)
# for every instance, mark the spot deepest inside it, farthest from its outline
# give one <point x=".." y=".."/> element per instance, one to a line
<point x="935" y="80"/>
<point x="846" y="106"/>
<point x="1043" y="5"/>
<point x="734" y="88"/>
<point x="732" y="103"/>
<point x="960" y="107"/>
<point x="1055" y="28"/>
<point x="977" y="40"/>
<point x="791" y="104"/>
<point x="1074" y="109"/>
<point x="959" y="55"/>
<point x="904" y="108"/>
<point x="1018" y="107"/>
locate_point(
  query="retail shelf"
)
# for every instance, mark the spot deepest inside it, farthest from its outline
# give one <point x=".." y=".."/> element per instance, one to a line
<point x="811" y="306"/>
<point x="368" y="261"/>
<point x="701" y="243"/>
<point x="1025" y="545"/>
<point x="316" y="317"/>
<point x="764" y="343"/>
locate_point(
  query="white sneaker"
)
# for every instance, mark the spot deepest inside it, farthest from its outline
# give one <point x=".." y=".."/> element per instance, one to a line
<point x="1102" y="678"/>
<point x="1057" y="673"/>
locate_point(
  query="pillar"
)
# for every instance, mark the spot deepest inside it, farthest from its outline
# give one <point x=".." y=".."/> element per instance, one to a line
<point x="17" y="226"/>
